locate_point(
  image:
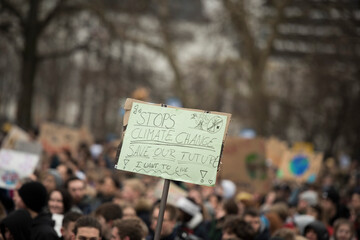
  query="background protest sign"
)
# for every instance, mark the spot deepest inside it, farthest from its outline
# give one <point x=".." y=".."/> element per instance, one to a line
<point x="244" y="163"/>
<point x="172" y="143"/>
<point x="275" y="150"/>
<point x="175" y="192"/>
<point x="55" y="137"/>
<point x="15" y="134"/>
<point x="14" y="166"/>
<point x="300" y="166"/>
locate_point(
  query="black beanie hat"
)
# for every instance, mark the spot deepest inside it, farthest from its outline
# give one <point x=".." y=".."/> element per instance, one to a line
<point x="34" y="196"/>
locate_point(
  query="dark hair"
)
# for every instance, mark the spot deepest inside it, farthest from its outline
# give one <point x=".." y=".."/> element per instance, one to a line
<point x="70" y="217"/>
<point x="73" y="178"/>
<point x="66" y="198"/>
<point x="170" y="209"/>
<point x="130" y="227"/>
<point x="342" y="221"/>
<point x="110" y="211"/>
<point x="235" y="225"/>
<point x="252" y="212"/>
<point x="87" y="221"/>
<point x="231" y="207"/>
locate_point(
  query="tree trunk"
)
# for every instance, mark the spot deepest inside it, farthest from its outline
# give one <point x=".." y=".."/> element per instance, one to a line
<point x="28" y="67"/>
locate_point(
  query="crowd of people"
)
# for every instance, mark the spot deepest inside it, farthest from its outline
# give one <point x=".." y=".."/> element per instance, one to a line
<point x="78" y="194"/>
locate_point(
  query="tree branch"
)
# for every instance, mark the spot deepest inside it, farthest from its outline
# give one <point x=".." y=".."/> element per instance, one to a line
<point x="63" y="53"/>
<point x="12" y="9"/>
<point x="56" y="10"/>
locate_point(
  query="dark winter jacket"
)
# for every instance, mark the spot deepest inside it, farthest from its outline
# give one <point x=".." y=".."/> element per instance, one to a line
<point x="19" y="223"/>
<point x="43" y="228"/>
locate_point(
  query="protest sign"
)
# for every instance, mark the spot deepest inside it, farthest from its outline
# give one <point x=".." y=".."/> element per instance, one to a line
<point x="244" y="164"/>
<point x="172" y="143"/>
<point x="14" y="166"/>
<point x="175" y="192"/>
<point x="15" y="134"/>
<point x="275" y="150"/>
<point x="300" y="166"/>
<point x="55" y="137"/>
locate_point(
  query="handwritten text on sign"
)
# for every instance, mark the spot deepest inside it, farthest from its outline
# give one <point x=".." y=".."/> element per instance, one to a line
<point x="173" y="143"/>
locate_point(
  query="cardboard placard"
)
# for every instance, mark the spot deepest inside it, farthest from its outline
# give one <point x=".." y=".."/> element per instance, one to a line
<point x="244" y="163"/>
<point x="55" y="137"/>
<point x="172" y="143"/>
<point x="300" y="166"/>
<point x="15" y="134"/>
<point x="275" y="150"/>
<point x="14" y="166"/>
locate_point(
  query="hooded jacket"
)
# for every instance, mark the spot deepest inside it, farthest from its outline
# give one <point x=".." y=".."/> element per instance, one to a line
<point x="19" y="223"/>
<point x="43" y="228"/>
<point x="319" y="228"/>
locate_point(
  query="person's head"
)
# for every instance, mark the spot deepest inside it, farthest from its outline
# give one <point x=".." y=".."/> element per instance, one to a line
<point x="315" y="211"/>
<point x="188" y="209"/>
<point x="252" y="216"/>
<point x="306" y="199"/>
<point x="17" y="225"/>
<point x="127" y="229"/>
<point x="284" y="233"/>
<point x="169" y="221"/>
<point x="52" y="180"/>
<point x="109" y="185"/>
<point x="34" y="196"/>
<point x="316" y="230"/>
<point x="68" y="224"/>
<point x="106" y="214"/>
<point x="330" y="199"/>
<point x="64" y="171"/>
<point x="128" y="211"/>
<point x="19" y="204"/>
<point x="343" y="229"/>
<point x="235" y="228"/>
<point x="60" y="201"/>
<point x="355" y="200"/>
<point x="87" y="227"/>
<point x="76" y="188"/>
<point x="132" y="190"/>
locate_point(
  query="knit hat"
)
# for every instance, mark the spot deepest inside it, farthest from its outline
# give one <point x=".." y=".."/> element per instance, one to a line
<point x="332" y="195"/>
<point x="34" y="196"/>
<point x="319" y="228"/>
<point x="57" y="177"/>
<point x="309" y="196"/>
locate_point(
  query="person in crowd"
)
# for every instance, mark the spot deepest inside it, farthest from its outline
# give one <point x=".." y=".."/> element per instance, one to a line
<point x="76" y="188"/>
<point x="236" y="228"/>
<point x="244" y="200"/>
<point x="127" y="229"/>
<point x="252" y="216"/>
<point x="60" y="201"/>
<point x="168" y="229"/>
<point x="52" y="180"/>
<point x="106" y="191"/>
<point x="65" y="171"/>
<point x="17" y="225"/>
<point x="133" y="192"/>
<point x="128" y="211"/>
<point x="191" y="218"/>
<point x="87" y="227"/>
<point x="307" y="199"/>
<point x="106" y="214"/>
<point x="316" y="230"/>
<point x="33" y="196"/>
<point x="332" y="208"/>
<point x="355" y="210"/>
<point x="284" y="233"/>
<point x="343" y="230"/>
<point x="224" y="209"/>
<point x="68" y="225"/>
